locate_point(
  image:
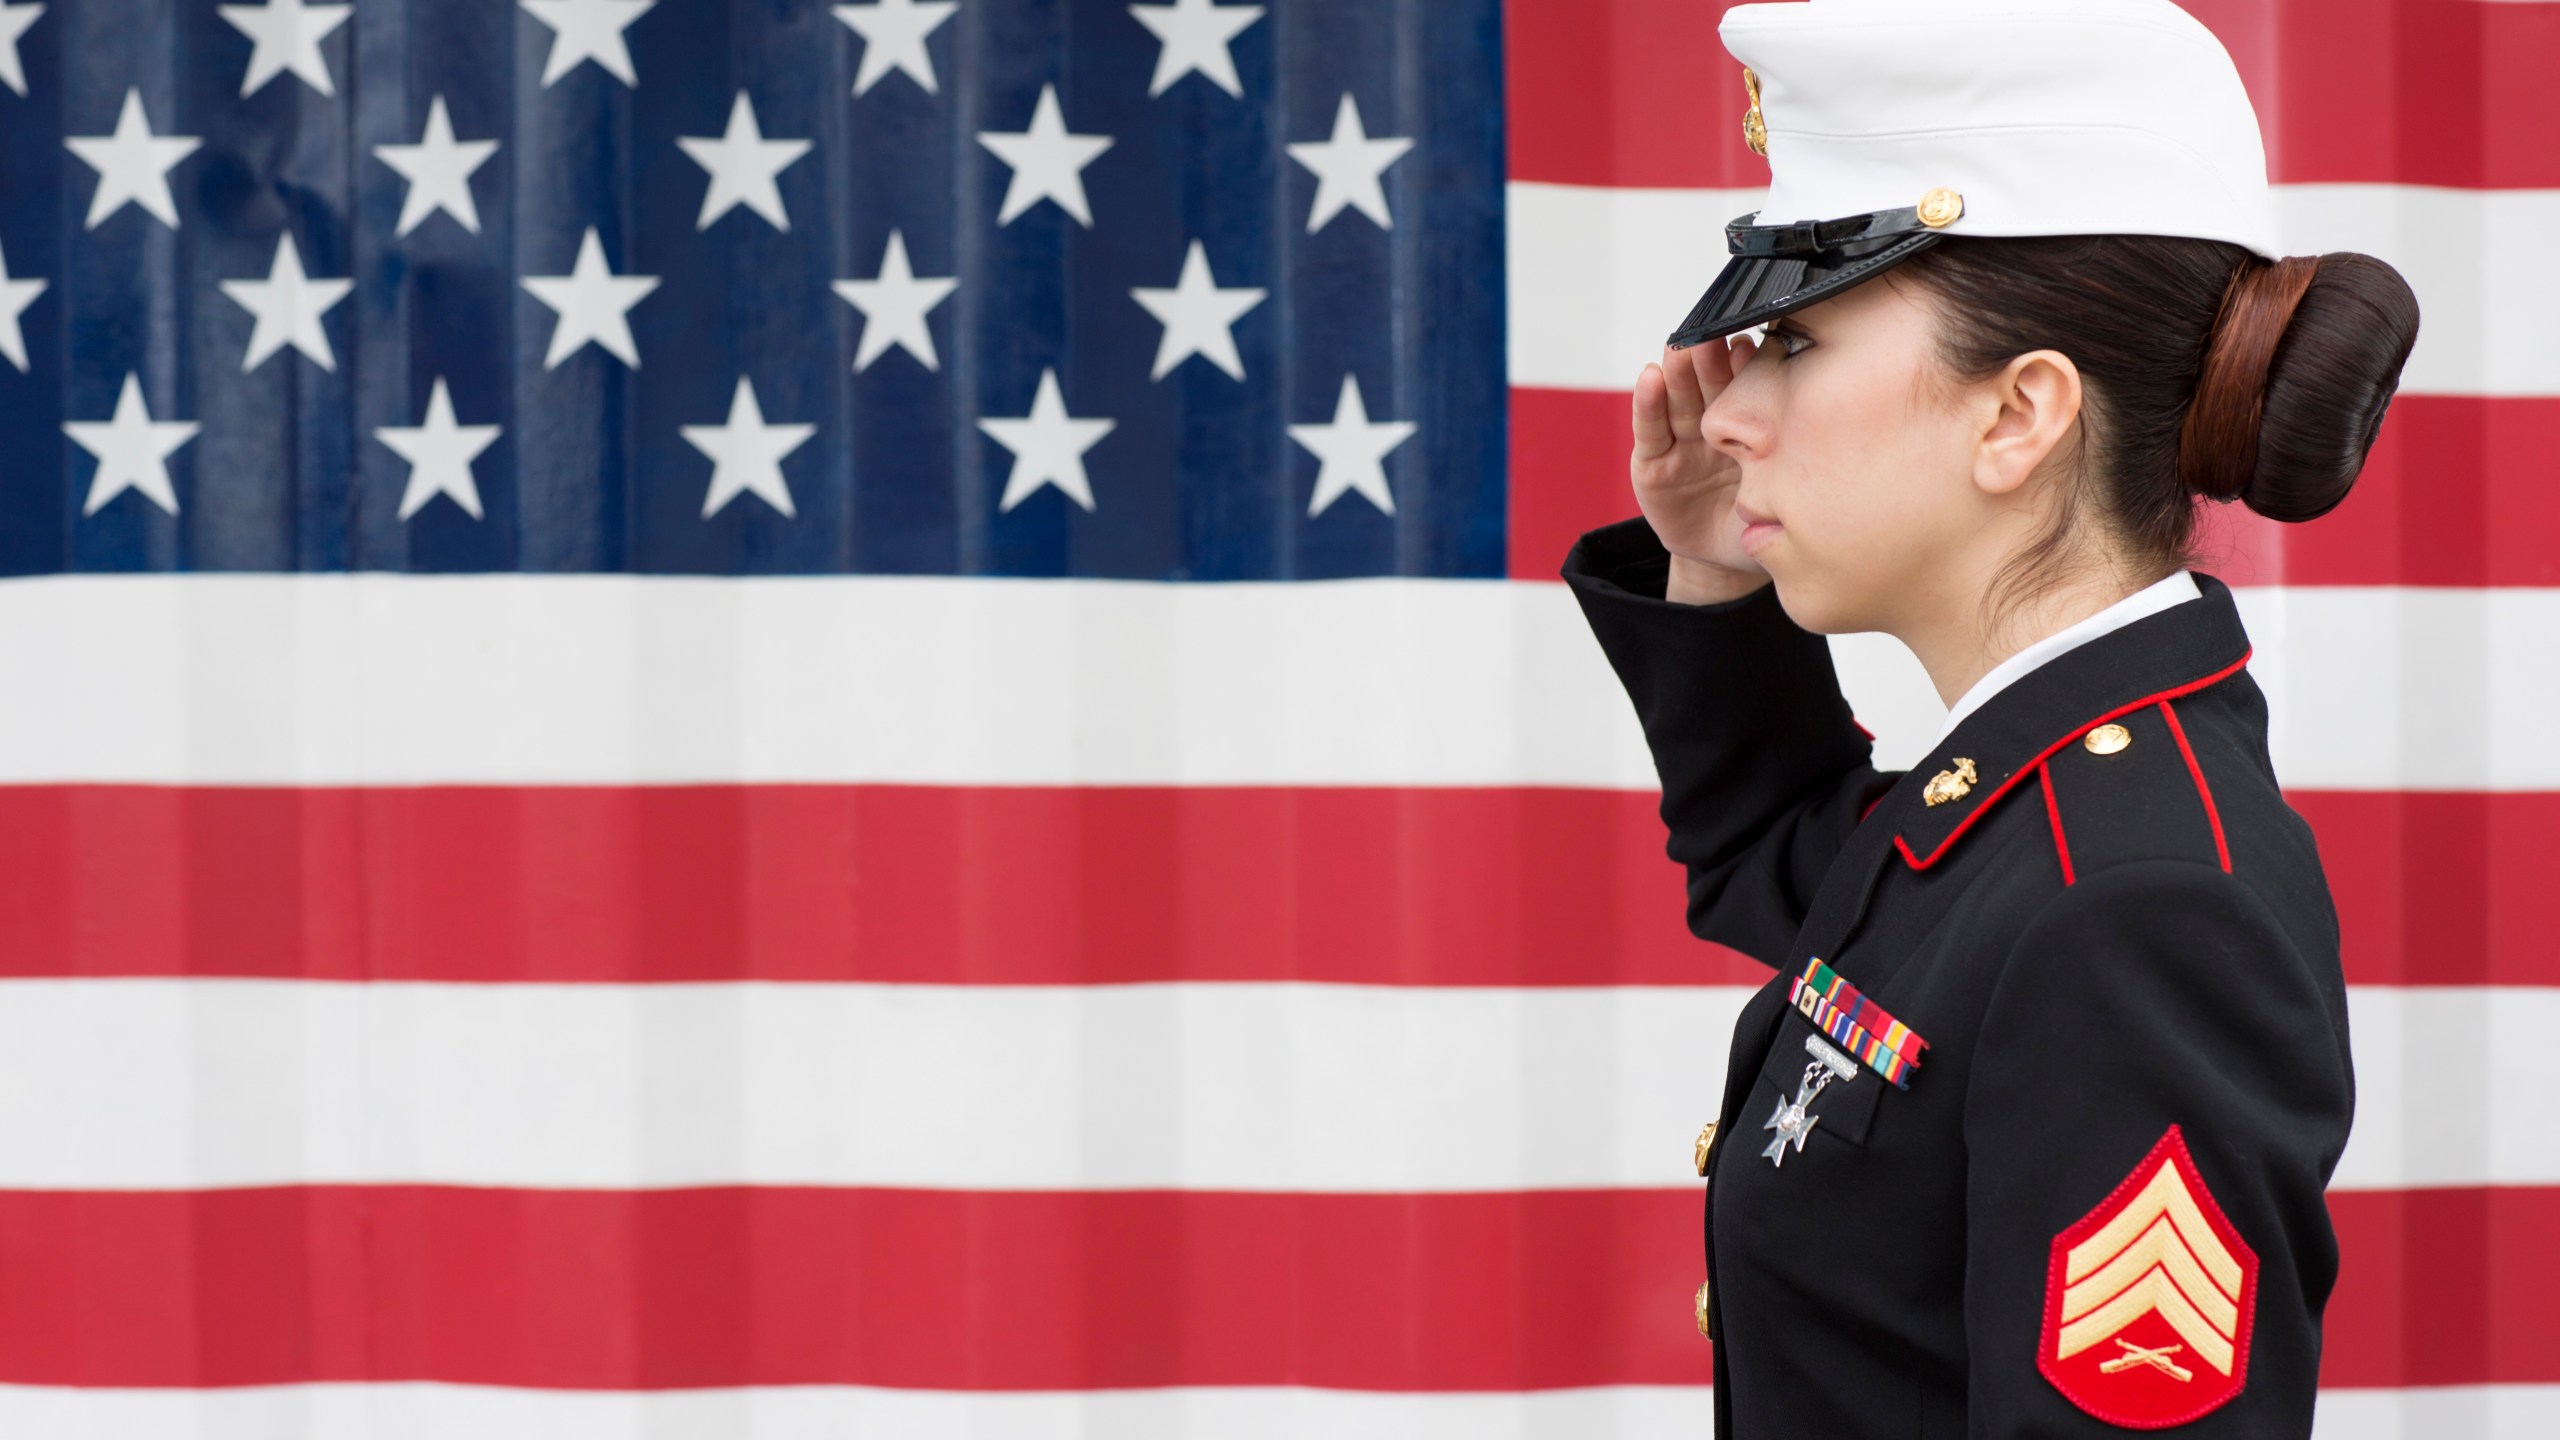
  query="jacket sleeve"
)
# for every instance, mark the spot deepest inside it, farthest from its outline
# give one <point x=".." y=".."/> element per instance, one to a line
<point x="2155" y="1017"/>
<point x="1764" y="772"/>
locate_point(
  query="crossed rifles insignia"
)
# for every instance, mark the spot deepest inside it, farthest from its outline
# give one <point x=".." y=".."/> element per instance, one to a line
<point x="2158" y="1359"/>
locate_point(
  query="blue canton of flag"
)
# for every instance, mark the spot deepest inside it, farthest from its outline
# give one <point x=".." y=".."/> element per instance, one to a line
<point x="1186" y="291"/>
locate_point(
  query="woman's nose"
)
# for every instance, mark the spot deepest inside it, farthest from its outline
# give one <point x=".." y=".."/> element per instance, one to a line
<point x="1735" y="421"/>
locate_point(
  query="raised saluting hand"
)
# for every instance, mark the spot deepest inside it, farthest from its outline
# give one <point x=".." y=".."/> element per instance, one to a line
<point x="1684" y="485"/>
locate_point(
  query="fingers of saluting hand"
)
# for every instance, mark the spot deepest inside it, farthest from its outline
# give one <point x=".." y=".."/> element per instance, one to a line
<point x="1688" y="386"/>
<point x="1654" y="436"/>
<point x="1672" y="397"/>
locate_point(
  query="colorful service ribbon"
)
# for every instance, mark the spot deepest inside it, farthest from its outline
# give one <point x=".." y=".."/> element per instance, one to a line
<point x="1856" y="1023"/>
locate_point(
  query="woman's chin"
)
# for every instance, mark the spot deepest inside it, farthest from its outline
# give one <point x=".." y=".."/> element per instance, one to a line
<point x="1808" y="603"/>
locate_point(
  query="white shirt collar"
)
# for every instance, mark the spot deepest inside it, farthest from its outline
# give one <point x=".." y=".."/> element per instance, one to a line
<point x="2149" y="600"/>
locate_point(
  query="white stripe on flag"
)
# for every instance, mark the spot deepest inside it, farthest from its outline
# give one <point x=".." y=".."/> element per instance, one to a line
<point x="1598" y="275"/>
<point x="420" y="1411"/>
<point x="181" y="1084"/>
<point x="380" y="679"/>
<point x="2491" y="1412"/>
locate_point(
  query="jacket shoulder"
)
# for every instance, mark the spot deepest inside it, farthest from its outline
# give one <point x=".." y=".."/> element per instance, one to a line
<point x="2176" y="779"/>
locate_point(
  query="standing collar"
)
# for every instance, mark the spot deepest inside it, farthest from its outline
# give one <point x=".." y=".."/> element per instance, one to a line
<point x="2174" y="650"/>
<point x="2174" y="588"/>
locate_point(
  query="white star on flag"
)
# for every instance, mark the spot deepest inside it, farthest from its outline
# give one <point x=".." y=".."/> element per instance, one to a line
<point x="439" y="453"/>
<point x="746" y="454"/>
<point x="1048" y="163"/>
<point x="593" y="303"/>
<point x="15" y="297"/>
<point x="744" y="167"/>
<point x="1353" y="451"/>
<point x="1048" y="447"/>
<point x="1193" y="35"/>
<point x="1197" y="317"/>
<point x="894" y="307"/>
<point x="132" y="164"/>
<point x="589" y="30"/>
<point x="1348" y="168"/>
<point x="288" y="305"/>
<point x="893" y="34"/>
<point x="438" y="169"/>
<point x="14" y="20"/>
<point x="288" y="35"/>
<point x="132" y="449"/>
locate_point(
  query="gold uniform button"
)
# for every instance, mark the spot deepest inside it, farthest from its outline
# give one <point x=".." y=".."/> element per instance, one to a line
<point x="1706" y="1142"/>
<point x="1940" y="208"/>
<point x="2107" y="739"/>
<point x="1702" y="1311"/>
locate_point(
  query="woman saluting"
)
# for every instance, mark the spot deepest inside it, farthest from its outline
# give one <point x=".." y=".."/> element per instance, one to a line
<point x="2028" y="1137"/>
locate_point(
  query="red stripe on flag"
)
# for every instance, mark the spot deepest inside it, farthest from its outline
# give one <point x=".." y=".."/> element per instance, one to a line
<point x="1569" y="453"/>
<point x="2457" y="492"/>
<point x="1000" y="885"/>
<point x="2441" y="887"/>
<point x="956" y="1290"/>
<point x="2444" y="1287"/>
<point x="1033" y="1290"/>
<point x="2408" y="92"/>
<point x="1037" y="885"/>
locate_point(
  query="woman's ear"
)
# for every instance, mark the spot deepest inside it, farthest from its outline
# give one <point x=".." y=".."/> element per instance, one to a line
<point x="2036" y="399"/>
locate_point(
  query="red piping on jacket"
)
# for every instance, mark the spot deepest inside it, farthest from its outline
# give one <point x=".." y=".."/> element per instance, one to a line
<point x="2212" y="816"/>
<point x="2053" y="813"/>
<point x="2156" y="697"/>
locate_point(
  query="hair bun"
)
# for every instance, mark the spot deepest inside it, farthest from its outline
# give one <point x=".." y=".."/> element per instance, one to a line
<point x="2301" y="363"/>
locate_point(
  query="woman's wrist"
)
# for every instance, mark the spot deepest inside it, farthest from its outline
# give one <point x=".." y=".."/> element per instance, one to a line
<point x="1694" y="582"/>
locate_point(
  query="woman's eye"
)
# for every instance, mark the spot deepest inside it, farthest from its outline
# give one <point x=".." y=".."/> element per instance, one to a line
<point x="1789" y="342"/>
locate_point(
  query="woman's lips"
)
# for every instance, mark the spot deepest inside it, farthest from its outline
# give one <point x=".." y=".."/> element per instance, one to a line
<point x="1758" y="534"/>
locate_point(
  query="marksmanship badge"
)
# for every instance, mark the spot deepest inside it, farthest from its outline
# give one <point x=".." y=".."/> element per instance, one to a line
<point x="1789" y="1119"/>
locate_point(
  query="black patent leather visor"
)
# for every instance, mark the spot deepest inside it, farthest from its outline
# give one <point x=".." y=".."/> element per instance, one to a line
<point x="1779" y="268"/>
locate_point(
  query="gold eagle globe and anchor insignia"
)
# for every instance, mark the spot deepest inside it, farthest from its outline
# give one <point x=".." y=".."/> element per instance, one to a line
<point x="1755" y="130"/>
<point x="1949" y="785"/>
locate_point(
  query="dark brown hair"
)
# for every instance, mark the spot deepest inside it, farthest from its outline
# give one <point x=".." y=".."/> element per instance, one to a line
<point x="2208" y="373"/>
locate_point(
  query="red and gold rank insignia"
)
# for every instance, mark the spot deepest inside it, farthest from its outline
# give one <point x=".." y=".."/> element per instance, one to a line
<point x="2149" y="1298"/>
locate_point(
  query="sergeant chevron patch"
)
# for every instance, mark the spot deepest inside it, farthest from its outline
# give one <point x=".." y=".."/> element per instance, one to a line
<point x="2149" y="1298"/>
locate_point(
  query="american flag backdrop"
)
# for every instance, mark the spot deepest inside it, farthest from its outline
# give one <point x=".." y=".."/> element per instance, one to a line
<point x="748" y="717"/>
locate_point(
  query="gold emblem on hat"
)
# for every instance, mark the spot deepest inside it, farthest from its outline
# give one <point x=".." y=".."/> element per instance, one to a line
<point x="1706" y="1142"/>
<point x="1941" y="208"/>
<point x="1949" y="785"/>
<point x="1702" y="1311"/>
<point x="1755" y="131"/>
<point x="2107" y="739"/>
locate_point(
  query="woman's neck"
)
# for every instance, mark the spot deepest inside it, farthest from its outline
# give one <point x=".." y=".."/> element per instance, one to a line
<point x="1961" y="645"/>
